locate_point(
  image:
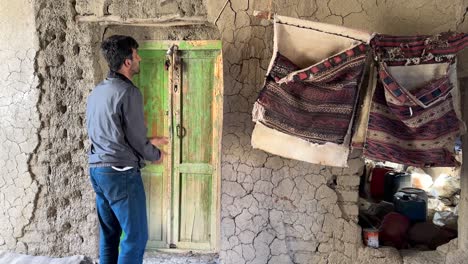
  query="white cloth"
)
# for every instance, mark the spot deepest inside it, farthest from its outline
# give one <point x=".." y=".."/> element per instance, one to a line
<point x="122" y="169"/>
<point x="13" y="258"/>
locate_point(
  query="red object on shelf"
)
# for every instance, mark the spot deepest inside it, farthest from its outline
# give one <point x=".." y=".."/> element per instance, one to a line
<point x="393" y="230"/>
<point x="377" y="182"/>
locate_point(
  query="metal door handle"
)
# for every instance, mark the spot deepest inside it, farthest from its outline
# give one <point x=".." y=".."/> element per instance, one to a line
<point x="181" y="132"/>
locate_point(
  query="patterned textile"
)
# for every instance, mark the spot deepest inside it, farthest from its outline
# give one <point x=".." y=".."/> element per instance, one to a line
<point x="414" y="117"/>
<point x="318" y="104"/>
<point x="415" y="50"/>
<point x="306" y="108"/>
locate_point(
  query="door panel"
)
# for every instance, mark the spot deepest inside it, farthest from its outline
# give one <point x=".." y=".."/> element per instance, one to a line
<point x="196" y="100"/>
<point x="153" y="84"/>
<point x="154" y="191"/>
<point x="195" y="208"/>
<point x="195" y="202"/>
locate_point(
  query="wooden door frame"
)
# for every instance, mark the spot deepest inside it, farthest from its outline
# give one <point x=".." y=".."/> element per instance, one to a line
<point x="217" y="113"/>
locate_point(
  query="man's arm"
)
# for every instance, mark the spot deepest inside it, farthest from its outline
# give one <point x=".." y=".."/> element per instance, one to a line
<point x="135" y="128"/>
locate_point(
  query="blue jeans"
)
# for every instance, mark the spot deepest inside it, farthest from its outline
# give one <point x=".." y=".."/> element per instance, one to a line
<point x="121" y="206"/>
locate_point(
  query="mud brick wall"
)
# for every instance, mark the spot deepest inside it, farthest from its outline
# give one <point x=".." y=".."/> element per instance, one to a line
<point x="273" y="210"/>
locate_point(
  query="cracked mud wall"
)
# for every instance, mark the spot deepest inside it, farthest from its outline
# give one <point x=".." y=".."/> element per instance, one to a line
<point x="46" y="201"/>
<point x="19" y="120"/>
<point x="273" y="210"/>
<point x="276" y="210"/>
<point x="67" y="65"/>
<point x="64" y="220"/>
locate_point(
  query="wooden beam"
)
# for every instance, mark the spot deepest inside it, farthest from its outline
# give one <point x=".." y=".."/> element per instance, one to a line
<point x="463" y="204"/>
<point x="165" y="21"/>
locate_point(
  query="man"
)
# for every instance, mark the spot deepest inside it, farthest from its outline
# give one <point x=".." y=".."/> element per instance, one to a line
<point x="119" y="147"/>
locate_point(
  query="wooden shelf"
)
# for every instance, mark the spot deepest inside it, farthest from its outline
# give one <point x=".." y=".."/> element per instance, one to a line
<point x="165" y="21"/>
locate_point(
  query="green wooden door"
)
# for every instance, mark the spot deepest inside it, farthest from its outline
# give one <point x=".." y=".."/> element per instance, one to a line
<point x="153" y="83"/>
<point x="189" y="181"/>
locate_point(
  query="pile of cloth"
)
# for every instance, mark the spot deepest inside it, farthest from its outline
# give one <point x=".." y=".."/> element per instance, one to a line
<point x="443" y="190"/>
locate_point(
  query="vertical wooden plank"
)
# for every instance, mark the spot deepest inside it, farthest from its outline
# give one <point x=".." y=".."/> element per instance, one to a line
<point x="152" y="82"/>
<point x="186" y="210"/>
<point x="155" y="210"/>
<point x="197" y="105"/>
<point x="195" y="208"/>
<point x="463" y="205"/>
<point x="196" y="144"/>
<point x="176" y="128"/>
<point x="146" y="183"/>
<point x="168" y="163"/>
<point x="218" y="95"/>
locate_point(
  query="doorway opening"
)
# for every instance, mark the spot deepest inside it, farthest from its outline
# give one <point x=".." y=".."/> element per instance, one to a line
<point x="182" y="87"/>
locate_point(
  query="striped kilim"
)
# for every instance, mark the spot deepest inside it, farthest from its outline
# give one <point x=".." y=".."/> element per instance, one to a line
<point x="415" y="50"/>
<point x="315" y="104"/>
<point x="416" y="126"/>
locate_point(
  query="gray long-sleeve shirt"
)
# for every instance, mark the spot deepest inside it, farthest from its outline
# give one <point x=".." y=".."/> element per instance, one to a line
<point x="115" y="122"/>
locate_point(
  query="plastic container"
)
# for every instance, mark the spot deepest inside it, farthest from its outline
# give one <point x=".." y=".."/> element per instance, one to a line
<point x="377" y="182"/>
<point x="371" y="237"/>
<point x="412" y="203"/>
<point x="394" y="181"/>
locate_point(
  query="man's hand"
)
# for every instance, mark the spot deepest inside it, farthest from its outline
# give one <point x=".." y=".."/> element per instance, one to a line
<point x="160" y="160"/>
<point x="159" y="141"/>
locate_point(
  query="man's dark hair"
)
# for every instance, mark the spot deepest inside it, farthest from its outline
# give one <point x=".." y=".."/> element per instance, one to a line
<point x="116" y="49"/>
